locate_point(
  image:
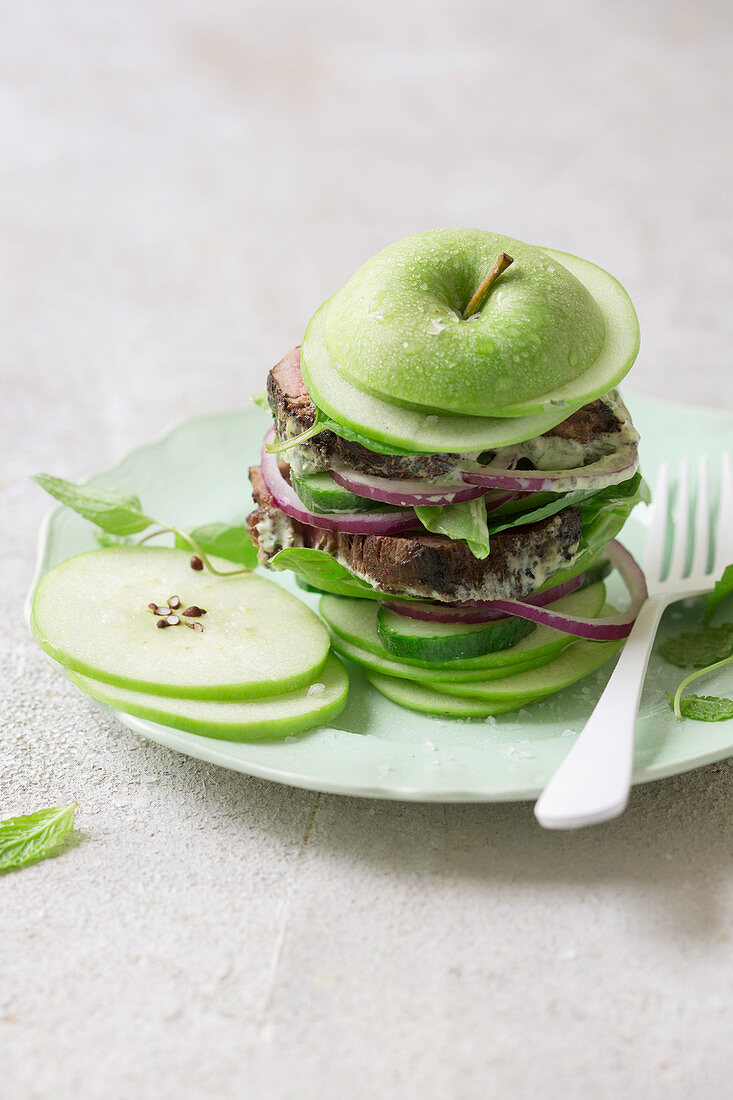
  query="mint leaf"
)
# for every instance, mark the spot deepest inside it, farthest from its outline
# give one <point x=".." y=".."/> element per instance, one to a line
<point x="466" y="520"/>
<point x="723" y="588"/>
<point x="224" y="541"/>
<point x="33" y="836"/>
<point x="115" y="512"/>
<point x="698" y="648"/>
<point x="719" y="711"/>
<point x="260" y="399"/>
<point x="705" y="708"/>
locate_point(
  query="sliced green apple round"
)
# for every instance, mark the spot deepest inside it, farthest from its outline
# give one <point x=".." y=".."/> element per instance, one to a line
<point x="554" y="330"/>
<point x="427" y="700"/>
<point x="91" y="614"/>
<point x="246" y="720"/>
<point x="572" y="665"/>
<point x="422" y="432"/>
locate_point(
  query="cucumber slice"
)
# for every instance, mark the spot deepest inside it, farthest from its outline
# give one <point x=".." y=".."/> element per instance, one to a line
<point x="422" y="698"/>
<point x="416" y="432"/>
<point x="91" y="615"/>
<point x="572" y="665"/>
<point x="376" y="662"/>
<point x="249" y="720"/>
<point x="355" y="621"/>
<point x="320" y="493"/>
<point x="439" y="642"/>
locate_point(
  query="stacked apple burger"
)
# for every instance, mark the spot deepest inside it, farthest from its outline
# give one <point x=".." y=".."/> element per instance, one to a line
<point x="450" y="464"/>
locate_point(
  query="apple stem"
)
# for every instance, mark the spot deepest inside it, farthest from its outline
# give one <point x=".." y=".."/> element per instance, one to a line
<point x="502" y="263"/>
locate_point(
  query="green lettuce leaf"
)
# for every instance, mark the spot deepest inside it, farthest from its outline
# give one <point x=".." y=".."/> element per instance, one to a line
<point x="466" y="520"/>
<point x="319" y="570"/>
<point x="592" y="504"/>
<point x="325" y="422"/>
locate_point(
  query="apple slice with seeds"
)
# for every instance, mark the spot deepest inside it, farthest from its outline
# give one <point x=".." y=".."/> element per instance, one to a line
<point x="92" y="614"/>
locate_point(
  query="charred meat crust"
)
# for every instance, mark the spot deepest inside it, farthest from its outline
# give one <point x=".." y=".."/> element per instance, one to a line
<point x="439" y="568"/>
<point x="431" y="566"/>
<point x="267" y="524"/>
<point x="594" y="419"/>
<point x="293" y="412"/>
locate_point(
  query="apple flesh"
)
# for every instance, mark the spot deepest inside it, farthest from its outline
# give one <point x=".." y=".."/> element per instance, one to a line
<point x="554" y="332"/>
<point x="91" y="615"/>
<point x="246" y="720"/>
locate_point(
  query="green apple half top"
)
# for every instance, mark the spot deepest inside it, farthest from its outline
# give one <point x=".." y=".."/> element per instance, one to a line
<point x="449" y="441"/>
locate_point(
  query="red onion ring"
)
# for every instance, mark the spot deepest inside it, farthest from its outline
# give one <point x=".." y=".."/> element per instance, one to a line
<point x="478" y="611"/>
<point x="417" y="492"/>
<point x="607" y="629"/>
<point x="288" y="501"/>
<point x="612" y="469"/>
<point x="404" y="492"/>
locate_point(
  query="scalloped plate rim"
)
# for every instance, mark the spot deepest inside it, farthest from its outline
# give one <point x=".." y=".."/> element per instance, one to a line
<point x="215" y="751"/>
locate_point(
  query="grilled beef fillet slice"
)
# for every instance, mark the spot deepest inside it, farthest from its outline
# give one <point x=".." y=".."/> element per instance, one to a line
<point x="425" y="565"/>
<point x="591" y="429"/>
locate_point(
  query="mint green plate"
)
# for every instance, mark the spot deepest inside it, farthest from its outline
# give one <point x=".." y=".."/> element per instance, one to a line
<point x="198" y="474"/>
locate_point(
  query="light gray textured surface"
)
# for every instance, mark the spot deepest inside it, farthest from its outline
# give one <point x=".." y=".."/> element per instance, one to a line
<point x="182" y="183"/>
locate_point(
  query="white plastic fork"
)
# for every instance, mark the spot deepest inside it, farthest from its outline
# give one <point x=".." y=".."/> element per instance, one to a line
<point x="593" y="782"/>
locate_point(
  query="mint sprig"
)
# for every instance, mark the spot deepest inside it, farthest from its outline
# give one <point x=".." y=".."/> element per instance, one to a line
<point x="120" y="514"/>
<point x="32" y="837"/>
<point x="115" y="512"/>
<point x="705" y="708"/>
<point x="710" y="647"/>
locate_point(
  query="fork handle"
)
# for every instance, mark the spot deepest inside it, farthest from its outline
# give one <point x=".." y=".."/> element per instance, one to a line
<point x="592" y="784"/>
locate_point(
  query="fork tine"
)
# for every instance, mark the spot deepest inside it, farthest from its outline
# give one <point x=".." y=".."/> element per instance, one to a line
<point x="724" y="532"/>
<point x="681" y="525"/>
<point x="702" y="520"/>
<point x="656" y="537"/>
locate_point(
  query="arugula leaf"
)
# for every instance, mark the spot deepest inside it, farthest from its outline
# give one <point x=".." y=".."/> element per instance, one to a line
<point x="321" y="571"/>
<point x="592" y="503"/>
<point x="705" y="708"/>
<point x="723" y="588"/>
<point x="33" y="836"/>
<point x="223" y="541"/>
<point x="282" y="445"/>
<point x="115" y="512"/>
<point x="466" y="520"/>
<point x="698" y="648"/>
<point x="260" y="400"/>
